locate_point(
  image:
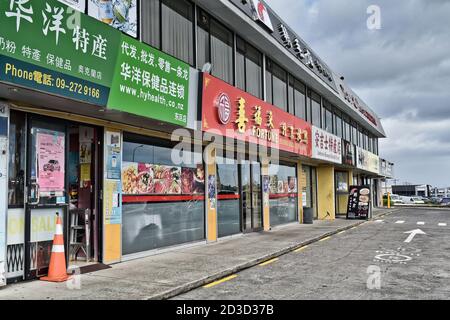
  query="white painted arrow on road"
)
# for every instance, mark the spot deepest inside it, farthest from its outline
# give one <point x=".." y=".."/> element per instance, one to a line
<point x="412" y="234"/>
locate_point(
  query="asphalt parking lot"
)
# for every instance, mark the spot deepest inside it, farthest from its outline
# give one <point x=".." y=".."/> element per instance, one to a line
<point x="404" y="255"/>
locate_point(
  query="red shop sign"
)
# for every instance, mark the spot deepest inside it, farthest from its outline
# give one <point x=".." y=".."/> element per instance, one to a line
<point x="233" y="113"/>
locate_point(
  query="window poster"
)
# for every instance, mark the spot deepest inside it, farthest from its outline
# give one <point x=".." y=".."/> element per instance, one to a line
<point x="151" y="179"/>
<point x="212" y="191"/>
<point x="114" y="157"/>
<point x="120" y="14"/>
<point x="50" y="162"/>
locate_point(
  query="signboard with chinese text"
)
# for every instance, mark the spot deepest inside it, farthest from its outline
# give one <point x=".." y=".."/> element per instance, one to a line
<point x="368" y="161"/>
<point x="260" y="13"/>
<point x="233" y="113"/>
<point x="150" y="83"/>
<point x="48" y="46"/>
<point x="287" y="38"/>
<point x="326" y="146"/>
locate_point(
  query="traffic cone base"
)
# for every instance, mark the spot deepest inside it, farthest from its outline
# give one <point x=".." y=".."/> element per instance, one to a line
<point x="57" y="271"/>
<point x="61" y="279"/>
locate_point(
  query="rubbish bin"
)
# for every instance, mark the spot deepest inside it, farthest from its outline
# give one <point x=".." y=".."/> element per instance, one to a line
<point x="308" y="215"/>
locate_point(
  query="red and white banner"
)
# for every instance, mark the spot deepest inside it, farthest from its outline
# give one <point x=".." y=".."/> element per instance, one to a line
<point x="233" y="113"/>
<point x="326" y="146"/>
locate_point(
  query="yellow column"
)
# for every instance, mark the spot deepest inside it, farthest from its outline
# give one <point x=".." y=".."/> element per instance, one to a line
<point x="211" y="204"/>
<point x="325" y="193"/>
<point x="266" y="203"/>
<point x="300" y="182"/>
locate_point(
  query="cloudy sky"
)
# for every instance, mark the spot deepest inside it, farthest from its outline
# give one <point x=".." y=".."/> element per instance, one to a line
<point x="402" y="71"/>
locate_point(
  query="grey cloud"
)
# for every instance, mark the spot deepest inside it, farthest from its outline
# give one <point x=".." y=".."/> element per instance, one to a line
<point x="402" y="71"/>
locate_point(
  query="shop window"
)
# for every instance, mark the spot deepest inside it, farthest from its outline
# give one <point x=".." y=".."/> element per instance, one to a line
<point x="309" y="188"/>
<point x="314" y="100"/>
<point x="150" y="11"/>
<point x="228" y="204"/>
<point x="163" y="200"/>
<point x="17" y="153"/>
<point x="248" y="68"/>
<point x="215" y="45"/>
<point x="347" y="131"/>
<point x="283" y="195"/>
<point x="327" y="121"/>
<point x="278" y="86"/>
<point x="341" y="180"/>
<point x="177" y="35"/>
<point x="300" y="99"/>
<point x="354" y="135"/>
<point x="269" y="91"/>
<point x="338" y="126"/>
<point x="291" y="103"/>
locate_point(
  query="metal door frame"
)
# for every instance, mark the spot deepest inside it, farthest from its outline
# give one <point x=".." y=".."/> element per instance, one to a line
<point x="252" y="209"/>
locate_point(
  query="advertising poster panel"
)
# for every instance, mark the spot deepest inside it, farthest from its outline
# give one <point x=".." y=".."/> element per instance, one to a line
<point x="368" y="161"/>
<point x="51" y="162"/>
<point x="119" y="14"/>
<point x="113" y="184"/>
<point x="358" y="202"/>
<point x="79" y="5"/>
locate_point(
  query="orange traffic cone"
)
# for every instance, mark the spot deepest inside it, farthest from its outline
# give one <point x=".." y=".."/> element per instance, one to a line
<point x="57" y="271"/>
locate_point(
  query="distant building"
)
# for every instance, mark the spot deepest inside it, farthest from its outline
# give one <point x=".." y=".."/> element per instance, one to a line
<point x="441" y="192"/>
<point x="423" y="190"/>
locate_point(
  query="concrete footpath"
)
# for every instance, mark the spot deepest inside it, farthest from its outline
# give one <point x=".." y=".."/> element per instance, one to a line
<point x="171" y="273"/>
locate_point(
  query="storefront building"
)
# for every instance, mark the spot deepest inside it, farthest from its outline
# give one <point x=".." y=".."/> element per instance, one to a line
<point x="156" y="124"/>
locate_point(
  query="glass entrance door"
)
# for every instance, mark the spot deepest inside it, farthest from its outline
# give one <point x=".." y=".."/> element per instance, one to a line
<point x="251" y="194"/>
<point x="46" y="192"/>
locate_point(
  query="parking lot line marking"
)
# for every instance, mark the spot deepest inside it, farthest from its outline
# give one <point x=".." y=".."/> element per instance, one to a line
<point x="325" y="239"/>
<point x="400" y="222"/>
<point x="268" y="262"/>
<point x="378" y="221"/>
<point x="215" y="283"/>
<point x="442" y="224"/>
<point x="421" y="223"/>
<point x="301" y="249"/>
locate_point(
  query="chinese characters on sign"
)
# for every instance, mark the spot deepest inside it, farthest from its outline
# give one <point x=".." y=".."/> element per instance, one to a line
<point x="241" y="116"/>
<point x="326" y="146"/>
<point x="67" y="53"/>
<point x="287" y="38"/>
<point x="50" y="47"/>
<point x="150" y="83"/>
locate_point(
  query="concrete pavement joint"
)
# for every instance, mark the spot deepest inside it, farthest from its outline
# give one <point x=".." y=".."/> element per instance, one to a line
<point x="252" y="263"/>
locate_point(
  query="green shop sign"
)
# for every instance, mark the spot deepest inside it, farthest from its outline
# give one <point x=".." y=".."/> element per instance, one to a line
<point x="48" y="46"/>
<point x="150" y="83"/>
<point x="51" y="47"/>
